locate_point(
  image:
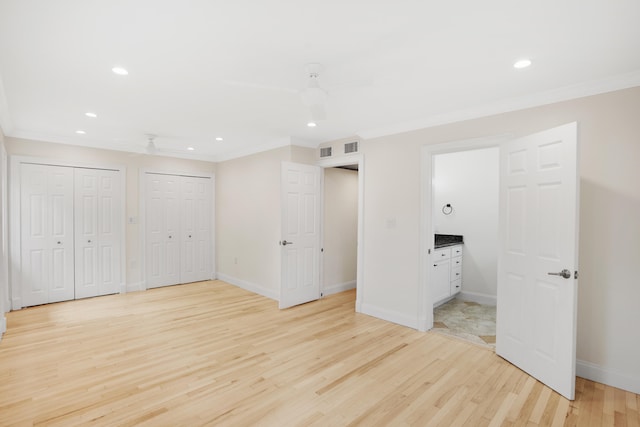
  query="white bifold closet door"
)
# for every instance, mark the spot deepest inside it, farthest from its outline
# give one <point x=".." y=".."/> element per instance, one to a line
<point x="46" y="206"/>
<point x="97" y="232"/>
<point x="178" y="231"/>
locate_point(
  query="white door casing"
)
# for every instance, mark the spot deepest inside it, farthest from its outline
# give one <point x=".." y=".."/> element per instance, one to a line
<point x="538" y="225"/>
<point x="300" y="202"/>
<point x="46" y="208"/>
<point x="98" y="232"/>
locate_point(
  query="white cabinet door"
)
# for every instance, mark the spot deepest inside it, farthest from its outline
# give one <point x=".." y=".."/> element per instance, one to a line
<point x="98" y="232"/>
<point x="300" y="201"/>
<point x="178" y="231"/>
<point x="441" y="280"/>
<point x="46" y="209"/>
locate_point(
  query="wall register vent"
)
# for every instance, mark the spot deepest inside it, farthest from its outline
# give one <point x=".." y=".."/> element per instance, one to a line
<point x="351" y="147"/>
<point x="325" y="152"/>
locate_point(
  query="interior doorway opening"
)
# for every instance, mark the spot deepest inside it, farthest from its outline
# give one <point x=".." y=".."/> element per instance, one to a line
<point x="340" y="229"/>
<point x="340" y="271"/>
<point x="465" y="209"/>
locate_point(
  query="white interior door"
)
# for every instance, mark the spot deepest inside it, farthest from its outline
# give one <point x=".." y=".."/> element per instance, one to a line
<point x="98" y="232"/>
<point x="300" y="201"/>
<point x="46" y="209"/>
<point x="162" y="230"/>
<point x="178" y="230"/>
<point x="536" y="318"/>
<point x="196" y="229"/>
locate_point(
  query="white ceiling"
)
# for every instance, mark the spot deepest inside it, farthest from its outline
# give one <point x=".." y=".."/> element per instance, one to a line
<point x="199" y="69"/>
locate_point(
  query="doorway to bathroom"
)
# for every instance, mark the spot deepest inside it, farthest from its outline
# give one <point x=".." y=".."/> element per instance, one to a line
<point x="465" y="192"/>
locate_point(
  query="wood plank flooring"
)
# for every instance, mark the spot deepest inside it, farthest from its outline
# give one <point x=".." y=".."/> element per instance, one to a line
<point x="212" y="354"/>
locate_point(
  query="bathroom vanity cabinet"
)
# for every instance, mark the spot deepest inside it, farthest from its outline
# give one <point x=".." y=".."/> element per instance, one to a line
<point x="447" y="273"/>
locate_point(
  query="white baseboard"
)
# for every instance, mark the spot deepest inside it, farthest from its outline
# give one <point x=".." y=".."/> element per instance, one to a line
<point x="248" y="286"/>
<point x="339" y="287"/>
<point x="390" y="316"/>
<point x="3" y="324"/>
<point x="134" y="287"/>
<point x="477" y="297"/>
<point x="597" y="373"/>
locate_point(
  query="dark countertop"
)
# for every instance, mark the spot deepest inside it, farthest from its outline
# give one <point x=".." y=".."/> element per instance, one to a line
<point x="443" y="240"/>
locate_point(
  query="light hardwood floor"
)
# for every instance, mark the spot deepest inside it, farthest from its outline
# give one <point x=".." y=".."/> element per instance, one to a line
<point x="212" y="354"/>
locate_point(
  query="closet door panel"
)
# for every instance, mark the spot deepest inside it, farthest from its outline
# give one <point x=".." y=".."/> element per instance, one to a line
<point x="47" y="269"/>
<point x="86" y="233"/>
<point x="188" y="231"/>
<point x="202" y="226"/>
<point x="109" y="231"/>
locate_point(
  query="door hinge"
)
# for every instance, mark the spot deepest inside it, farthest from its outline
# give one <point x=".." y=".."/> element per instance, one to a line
<point x="575" y="274"/>
<point x="429" y="251"/>
<point x="321" y="249"/>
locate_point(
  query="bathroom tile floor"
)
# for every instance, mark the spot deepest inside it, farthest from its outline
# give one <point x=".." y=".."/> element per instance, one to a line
<point x="468" y="320"/>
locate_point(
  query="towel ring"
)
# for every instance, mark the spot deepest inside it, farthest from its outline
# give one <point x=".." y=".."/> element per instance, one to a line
<point x="447" y="209"/>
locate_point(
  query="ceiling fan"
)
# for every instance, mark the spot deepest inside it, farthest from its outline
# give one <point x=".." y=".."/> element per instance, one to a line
<point x="152" y="148"/>
<point x="313" y="96"/>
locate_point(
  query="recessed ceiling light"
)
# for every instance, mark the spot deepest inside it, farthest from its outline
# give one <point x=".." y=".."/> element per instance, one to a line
<point x="90" y="114"/>
<point x="120" y="71"/>
<point x="80" y="132"/>
<point x="218" y="138"/>
<point x="311" y="124"/>
<point x="523" y="63"/>
<point x="190" y="148"/>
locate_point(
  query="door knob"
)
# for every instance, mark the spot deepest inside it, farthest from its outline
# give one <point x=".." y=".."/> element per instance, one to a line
<point x="285" y="243"/>
<point x="564" y="273"/>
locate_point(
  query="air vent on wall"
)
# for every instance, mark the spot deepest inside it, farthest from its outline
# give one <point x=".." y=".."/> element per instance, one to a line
<point x="351" y="147"/>
<point x="325" y="152"/>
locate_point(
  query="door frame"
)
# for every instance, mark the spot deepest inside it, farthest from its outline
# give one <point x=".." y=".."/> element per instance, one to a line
<point x="425" y="301"/>
<point x="15" y="221"/>
<point x="344" y="161"/>
<point x="142" y="211"/>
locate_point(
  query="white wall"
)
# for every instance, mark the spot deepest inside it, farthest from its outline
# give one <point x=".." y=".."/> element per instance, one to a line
<point x="4" y="238"/>
<point x="133" y="163"/>
<point x="340" y="230"/>
<point x="609" y="140"/>
<point x="469" y="181"/>
<point x="248" y="221"/>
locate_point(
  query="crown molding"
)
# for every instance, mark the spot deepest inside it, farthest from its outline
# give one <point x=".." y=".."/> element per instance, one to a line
<point x="580" y="90"/>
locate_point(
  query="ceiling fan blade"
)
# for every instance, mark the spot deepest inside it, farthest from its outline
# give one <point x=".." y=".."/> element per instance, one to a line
<point x="318" y="112"/>
<point x="251" y="85"/>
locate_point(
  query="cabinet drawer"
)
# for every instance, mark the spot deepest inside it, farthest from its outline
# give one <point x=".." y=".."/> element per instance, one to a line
<point x="440" y="254"/>
<point x="456" y="286"/>
<point x="456" y="273"/>
<point x="456" y="250"/>
<point x="456" y="262"/>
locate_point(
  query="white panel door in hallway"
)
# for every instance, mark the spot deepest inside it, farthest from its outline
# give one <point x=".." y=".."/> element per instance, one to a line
<point x="300" y="201"/>
<point x="537" y="263"/>
<point x="177" y="229"/>
<point x="46" y="209"/>
<point x="98" y="232"/>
